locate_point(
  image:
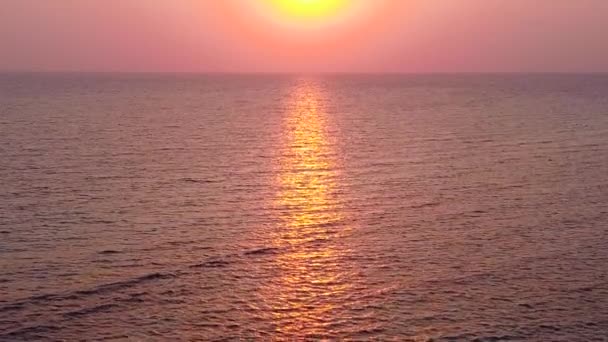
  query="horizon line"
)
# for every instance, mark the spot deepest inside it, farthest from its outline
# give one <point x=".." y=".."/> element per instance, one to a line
<point x="598" y="72"/>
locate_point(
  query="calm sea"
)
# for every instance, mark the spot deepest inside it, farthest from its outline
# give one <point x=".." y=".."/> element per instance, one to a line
<point x="283" y="207"/>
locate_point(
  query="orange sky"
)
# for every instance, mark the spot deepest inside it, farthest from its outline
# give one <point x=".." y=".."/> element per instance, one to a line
<point x="258" y="36"/>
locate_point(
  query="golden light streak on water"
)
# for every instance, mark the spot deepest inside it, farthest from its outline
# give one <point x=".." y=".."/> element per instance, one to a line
<point x="310" y="280"/>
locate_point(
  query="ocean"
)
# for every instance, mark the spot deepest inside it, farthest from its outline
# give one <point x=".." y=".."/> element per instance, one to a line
<point x="447" y="207"/>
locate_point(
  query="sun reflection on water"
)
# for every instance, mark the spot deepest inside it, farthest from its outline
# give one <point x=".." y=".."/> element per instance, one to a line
<point x="310" y="282"/>
<point x="308" y="175"/>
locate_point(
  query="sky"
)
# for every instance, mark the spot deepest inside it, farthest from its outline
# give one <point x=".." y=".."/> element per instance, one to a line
<point x="292" y="36"/>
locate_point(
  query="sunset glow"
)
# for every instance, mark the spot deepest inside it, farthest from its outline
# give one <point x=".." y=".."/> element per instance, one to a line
<point x="304" y="35"/>
<point x="297" y="15"/>
<point x="309" y="9"/>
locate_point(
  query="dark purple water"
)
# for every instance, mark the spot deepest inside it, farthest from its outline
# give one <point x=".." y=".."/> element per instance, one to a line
<point x="185" y="207"/>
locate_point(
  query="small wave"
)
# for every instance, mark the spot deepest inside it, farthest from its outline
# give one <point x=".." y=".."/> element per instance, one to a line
<point x="12" y="307"/>
<point x="109" y="251"/>
<point x="497" y="338"/>
<point x="194" y="180"/>
<point x="91" y="310"/>
<point x="425" y="205"/>
<point x="549" y="327"/>
<point x="212" y="264"/>
<point x="262" y="251"/>
<point x="125" y="284"/>
<point x="28" y="331"/>
<point x="101" y="289"/>
<point x="462" y="337"/>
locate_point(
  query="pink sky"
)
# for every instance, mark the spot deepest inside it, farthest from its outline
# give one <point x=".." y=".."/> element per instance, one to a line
<point x="234" y="36"/>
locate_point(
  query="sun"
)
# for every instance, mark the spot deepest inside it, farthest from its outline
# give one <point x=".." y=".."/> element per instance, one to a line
<point x="309" y="9"/>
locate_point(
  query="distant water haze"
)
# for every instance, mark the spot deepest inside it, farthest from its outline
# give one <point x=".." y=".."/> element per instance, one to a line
<point x="286" y="207"/>
<point x="253" y="36"/>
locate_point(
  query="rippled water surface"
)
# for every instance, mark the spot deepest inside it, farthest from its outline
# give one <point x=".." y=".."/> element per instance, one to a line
<point x="192" y="207"/>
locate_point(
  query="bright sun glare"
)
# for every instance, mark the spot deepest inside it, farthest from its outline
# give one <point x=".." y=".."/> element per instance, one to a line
<point x="309" y="9"/>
